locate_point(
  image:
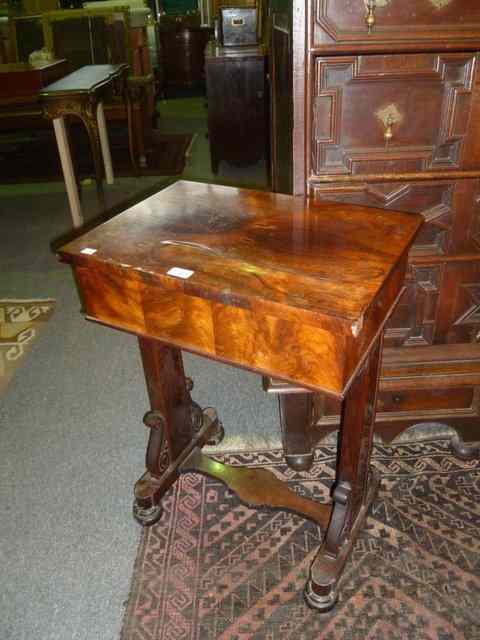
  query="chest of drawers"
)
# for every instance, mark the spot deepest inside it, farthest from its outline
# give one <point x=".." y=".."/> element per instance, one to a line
<point x="377" y="102"/>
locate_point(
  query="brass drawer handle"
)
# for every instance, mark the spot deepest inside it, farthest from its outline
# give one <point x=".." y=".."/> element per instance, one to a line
<point x="388" y="135"/>
<point x="370" y="17"/>
<point x="389" y="116"/>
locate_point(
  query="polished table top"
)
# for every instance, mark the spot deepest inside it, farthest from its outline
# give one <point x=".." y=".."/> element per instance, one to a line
<point x="87" y="79"/>
<point x="267" y="281"/>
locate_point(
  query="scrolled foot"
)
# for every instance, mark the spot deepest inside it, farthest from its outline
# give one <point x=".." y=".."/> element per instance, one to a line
<point x="146" y="516"/>
<point x="201" y="417"/>
<point x="217" y="437"/>
<point x="154" y="420"/>
<point x="322" y="599"/>
<point x="464" y="450"/>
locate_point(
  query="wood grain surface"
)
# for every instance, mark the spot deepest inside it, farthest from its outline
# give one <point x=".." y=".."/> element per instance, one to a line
<point x="277" y="284"/>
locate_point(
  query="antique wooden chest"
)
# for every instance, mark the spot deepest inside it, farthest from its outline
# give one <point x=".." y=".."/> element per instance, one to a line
<point x="378" y="103"/>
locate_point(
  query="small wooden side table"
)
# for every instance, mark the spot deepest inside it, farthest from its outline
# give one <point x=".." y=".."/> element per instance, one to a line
<point x="268" y="282"/>
<point x="82" y="94"/>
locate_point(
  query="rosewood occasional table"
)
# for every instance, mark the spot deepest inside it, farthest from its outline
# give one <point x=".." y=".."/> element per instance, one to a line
<point x="268" y="282"/>
<point x="81" y="94"/>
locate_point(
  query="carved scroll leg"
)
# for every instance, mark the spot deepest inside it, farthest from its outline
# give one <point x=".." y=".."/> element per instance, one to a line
<point x="296" y="422"/>
<point x="91" y="125"/>
<point x="105" y="146"/>
<point x="176" y="426"/>
<point x="63" y="145"/>
<point x="354" y="488"/>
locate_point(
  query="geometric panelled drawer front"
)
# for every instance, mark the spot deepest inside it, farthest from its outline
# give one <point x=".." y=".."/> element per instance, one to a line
<point x="441" y="305"/>
<point x="461" y="299"/>
<point x="448" y="208"/>
<point x="398" y="23"/>
<point x="451" y="209"/>
<point x="392" y="113"/>
<point x="413" y="322"/>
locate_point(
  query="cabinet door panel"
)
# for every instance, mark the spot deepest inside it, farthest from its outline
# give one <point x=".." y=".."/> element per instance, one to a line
<point x="451" y="210"/>
<point x="237" y="118"/>
<point x="392" y="114"/>
<point x="398" y="23"/>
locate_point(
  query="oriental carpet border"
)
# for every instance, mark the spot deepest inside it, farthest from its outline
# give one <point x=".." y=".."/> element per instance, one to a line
<point x="20" y="324"/>
<point x="213" y="568"/>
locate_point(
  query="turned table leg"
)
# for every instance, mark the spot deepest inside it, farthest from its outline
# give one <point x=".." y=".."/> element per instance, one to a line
<point x="296" y="416"/>
<point x="354" y="489"/>
<point x="176" y="424"/>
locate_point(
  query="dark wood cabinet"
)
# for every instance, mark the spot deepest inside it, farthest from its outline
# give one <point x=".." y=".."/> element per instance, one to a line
<point x="389" y="116"/>
<point x="237" y="104"/>
<point x="26" y="36"/>
<point x="182" y="55"/>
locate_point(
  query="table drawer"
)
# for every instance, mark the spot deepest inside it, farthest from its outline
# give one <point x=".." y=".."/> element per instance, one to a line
<point x="424" y="400"/>
<point x="387" y="114"/>
<point x="417" y="401"/>
<point x="399" y="24"/>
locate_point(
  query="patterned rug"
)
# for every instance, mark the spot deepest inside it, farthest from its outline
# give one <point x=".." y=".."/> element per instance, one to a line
<point x="34" y="158"/>
<point x="214" y="569"/>
<point x="20" y="323"/>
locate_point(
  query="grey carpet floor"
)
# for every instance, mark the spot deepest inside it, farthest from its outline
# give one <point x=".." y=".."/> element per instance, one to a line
<point x="72" y="442"/>
<point x="71" y="438"/>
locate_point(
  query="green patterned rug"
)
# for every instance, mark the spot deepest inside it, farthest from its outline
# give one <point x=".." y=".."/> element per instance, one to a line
<point x="20" y="323"/>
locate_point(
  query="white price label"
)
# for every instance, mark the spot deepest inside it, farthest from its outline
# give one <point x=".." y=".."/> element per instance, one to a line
<point x="178" y="272"/>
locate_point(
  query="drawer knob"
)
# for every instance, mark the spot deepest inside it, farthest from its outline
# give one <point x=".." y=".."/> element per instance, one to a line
<point x="370" y="17"/>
